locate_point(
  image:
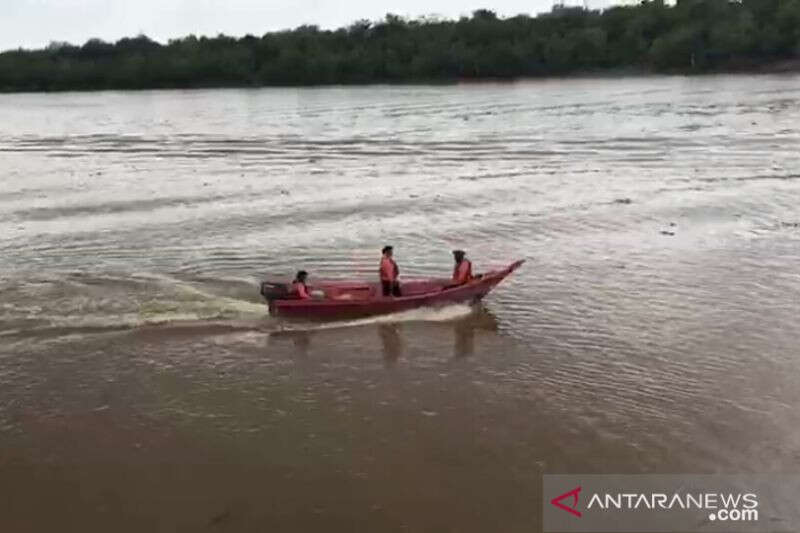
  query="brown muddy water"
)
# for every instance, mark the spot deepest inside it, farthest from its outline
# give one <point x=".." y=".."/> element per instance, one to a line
<point x="653" y="329"/>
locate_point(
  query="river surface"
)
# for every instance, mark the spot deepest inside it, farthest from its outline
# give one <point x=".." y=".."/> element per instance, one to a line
<point x="653" y="329"/>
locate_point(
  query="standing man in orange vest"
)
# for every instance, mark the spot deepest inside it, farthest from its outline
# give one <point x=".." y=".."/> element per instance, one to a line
<point x="462" y="271"/>
<point x="388" y="273"/>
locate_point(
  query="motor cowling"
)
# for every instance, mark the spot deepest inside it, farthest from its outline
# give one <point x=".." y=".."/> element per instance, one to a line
<point x="274" y="291"/>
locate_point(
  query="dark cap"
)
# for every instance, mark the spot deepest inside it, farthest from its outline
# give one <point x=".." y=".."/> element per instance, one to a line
<point x="387" y="249"/>
<point x="459" y="253"/>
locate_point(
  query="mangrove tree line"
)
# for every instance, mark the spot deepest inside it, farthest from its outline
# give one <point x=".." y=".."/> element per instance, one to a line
<point x="690" y="36"/>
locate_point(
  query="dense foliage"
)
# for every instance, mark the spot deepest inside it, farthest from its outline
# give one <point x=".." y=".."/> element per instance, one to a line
<point x="692" y="35"/>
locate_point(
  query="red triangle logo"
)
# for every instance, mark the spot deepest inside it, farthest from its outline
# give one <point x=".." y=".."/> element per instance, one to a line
<point x="573" y="508"/>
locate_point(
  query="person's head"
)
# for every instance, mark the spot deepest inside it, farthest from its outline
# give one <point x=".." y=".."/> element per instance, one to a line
<point x="387" y="251"/>
<point x="458" y="255"/>
<point x="301" y="276"/>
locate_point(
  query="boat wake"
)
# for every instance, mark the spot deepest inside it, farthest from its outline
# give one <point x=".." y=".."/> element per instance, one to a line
<point x="81" y="305"/>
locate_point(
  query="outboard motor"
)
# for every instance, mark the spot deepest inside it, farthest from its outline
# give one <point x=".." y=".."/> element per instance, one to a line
<point x="274" y="291"/>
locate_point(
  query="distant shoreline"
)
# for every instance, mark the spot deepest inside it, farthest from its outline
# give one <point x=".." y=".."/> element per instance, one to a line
<point x="784" y="67"/>
<point x="689" y="38"/>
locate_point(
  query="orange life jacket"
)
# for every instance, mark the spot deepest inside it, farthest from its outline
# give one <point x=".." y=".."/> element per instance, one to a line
<point x="388" y="269"/>
<point x="300" y="290"/>
<point x="462" y="272"/>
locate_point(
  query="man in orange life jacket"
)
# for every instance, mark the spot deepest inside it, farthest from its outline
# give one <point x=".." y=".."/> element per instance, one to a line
<point x="462" y="271"/>
<point x="299" y="289"/>
<point x="388" y="273"/>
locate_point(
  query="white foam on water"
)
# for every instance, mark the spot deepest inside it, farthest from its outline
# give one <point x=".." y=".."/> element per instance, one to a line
<point x="424" y="314"/>
<point x="205" y="306"/>
<point x="151" y="299"/>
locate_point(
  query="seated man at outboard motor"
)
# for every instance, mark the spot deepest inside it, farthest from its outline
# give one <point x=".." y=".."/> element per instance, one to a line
<point x="299" y="288"/>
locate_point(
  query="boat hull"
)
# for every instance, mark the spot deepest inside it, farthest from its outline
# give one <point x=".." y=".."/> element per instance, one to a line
<point x="356" y="299"/>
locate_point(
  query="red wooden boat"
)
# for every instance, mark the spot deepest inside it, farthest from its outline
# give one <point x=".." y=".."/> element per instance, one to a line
<point x="337" y="299"/>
